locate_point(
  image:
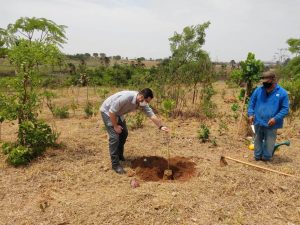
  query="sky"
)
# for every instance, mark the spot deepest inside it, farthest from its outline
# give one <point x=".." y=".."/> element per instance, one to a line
<point x="142" y="28"/>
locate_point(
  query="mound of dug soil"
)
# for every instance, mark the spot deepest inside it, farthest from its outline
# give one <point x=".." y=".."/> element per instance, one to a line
<point x="151" y="168"/>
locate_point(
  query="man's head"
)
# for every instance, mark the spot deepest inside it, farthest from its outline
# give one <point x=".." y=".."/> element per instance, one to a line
<point x="144" y="96"/>
<point x="268" y="79"/>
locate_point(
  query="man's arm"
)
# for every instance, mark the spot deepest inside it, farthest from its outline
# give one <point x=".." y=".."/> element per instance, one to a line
<point x="158" y="123"/>
<point x="115" y="107"/>
<point x="114" y="121"/>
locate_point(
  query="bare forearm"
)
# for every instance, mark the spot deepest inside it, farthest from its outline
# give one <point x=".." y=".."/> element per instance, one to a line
<point x="156" y="121"/>
<point x="113" y="119"/>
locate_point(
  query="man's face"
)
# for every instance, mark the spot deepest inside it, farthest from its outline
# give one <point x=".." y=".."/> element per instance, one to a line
<point x="267" y="82"/>
<point x="141" y="98"/>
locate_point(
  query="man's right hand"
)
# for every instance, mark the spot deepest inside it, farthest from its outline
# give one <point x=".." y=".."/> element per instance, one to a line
<point x="251" y="119"/>
<point x="118" y="129"/>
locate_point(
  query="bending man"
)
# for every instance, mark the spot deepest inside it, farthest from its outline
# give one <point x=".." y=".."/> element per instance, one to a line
<point x="113" y="110"/>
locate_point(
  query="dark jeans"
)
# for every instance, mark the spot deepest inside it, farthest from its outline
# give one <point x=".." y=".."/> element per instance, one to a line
<point x="116" y="141"/>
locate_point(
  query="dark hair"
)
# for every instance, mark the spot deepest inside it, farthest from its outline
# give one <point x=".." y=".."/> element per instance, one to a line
<point x="147" y="92"/>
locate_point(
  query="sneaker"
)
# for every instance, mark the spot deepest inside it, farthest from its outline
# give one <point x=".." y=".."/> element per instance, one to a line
<point x="119" y="169"/>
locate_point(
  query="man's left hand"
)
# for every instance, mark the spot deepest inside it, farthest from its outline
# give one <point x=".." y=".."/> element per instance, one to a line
<point x="271" y="122"/>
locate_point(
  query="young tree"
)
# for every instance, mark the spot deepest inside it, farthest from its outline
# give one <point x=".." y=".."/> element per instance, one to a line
<point x="189" y="62"/>
<point x="30" y="42"/>
<point x="251" y="70"/>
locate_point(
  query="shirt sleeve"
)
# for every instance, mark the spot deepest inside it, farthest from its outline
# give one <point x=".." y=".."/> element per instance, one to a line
<point x="284" y="108"/>
<point x="252" y="103"/>
<point x="148" y="111"/>
<point x="118" y="104"/>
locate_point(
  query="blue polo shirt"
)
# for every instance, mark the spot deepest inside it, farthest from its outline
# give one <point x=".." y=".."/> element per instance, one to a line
<point x="264" y="106"/>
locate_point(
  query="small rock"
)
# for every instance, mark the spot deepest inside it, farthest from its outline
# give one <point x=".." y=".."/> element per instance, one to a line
<point x="105" y="169"/>
<point x="134" y="183"/>
<point x="174" y="194"/>
<point x="194" y="219"/>
<point x="283" y="188"/>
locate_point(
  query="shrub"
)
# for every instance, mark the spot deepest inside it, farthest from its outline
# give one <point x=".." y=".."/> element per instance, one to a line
<point x="88" y="109"/>
<point x="136" y="121"/>
<point x="33" y="139"/>
<point x="203" y="133"/>
<point x="61" y="112"/>
<point x="18" y="155"/>
<point x="293" y="87"/>
<point x="236" y="76"/>
<point x="168" y="106"/>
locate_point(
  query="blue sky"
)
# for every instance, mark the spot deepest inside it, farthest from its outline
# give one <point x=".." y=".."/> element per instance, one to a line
<point x="141" y="28"/>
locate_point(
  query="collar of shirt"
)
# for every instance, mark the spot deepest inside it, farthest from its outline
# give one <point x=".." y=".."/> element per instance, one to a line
<point x="134" y="99"/>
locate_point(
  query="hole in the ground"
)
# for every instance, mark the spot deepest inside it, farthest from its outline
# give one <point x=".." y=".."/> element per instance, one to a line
<point x="152" y="168"/>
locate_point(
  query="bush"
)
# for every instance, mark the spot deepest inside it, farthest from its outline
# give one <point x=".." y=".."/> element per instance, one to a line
<point x="33" y="140"/>
<point x="293" y="87"/>
<point x="18" y="155"/>
<point x="203" y="133"/>
<point x="36" y="135"/>
<point x="136" y="121"/>
<point x="61" y="112"/>
<point x="236" y="76"/>
<point x="168" y="106"/>
<point x="88" y="109"/>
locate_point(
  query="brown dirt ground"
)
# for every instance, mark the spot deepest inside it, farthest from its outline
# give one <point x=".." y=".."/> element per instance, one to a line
<point x="75" y="185"/>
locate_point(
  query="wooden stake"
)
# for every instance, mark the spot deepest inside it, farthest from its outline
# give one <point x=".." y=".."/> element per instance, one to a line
<point x="241" y="116"/>
<point x="256" y="166"/>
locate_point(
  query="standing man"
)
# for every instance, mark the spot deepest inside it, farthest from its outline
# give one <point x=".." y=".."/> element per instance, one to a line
<point x="113" y="110"/>
<point x="268" y="105"/>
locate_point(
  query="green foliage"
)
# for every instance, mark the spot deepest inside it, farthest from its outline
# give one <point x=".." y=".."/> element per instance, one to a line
<point x="294" y="45"/>
<point x="203" y="133"/>
<point x="17" y="154"/>
<point x="207" y="105"/>
<point x="223" y="127"/>
<point x="74" y="105"/>
<point x="291" y="71"/>
<point x="102" y="92"/>
<point x="88" y="109"/>
<point x="242" y="94"/>
<point x="136" y="121"/>
<point x="293" y="87"/>
<point x="235" y="107"/>
<point x="37" y="135"/>
<point x="33" y="139"/>
<point x="236" y="76"/>
<point x="61" y="112"/>
<point x="251" y="70"/>
<point x="290" y="80"/>
<point x="168" y="105"/>
<point x="31" y="42"/>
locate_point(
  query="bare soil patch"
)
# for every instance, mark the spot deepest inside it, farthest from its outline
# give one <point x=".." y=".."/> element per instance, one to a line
<point x="151" y="168"/>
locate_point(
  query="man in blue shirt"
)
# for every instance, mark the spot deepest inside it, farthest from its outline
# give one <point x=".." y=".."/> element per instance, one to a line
<point x="268" y="105"/>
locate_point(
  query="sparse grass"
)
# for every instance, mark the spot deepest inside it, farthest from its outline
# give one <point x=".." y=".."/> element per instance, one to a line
<point x="75" y="181"/>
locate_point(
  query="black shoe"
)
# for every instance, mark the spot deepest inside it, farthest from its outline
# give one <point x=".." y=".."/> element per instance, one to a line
<point x="121" y="158"/>
<point x="119" y="169"/>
